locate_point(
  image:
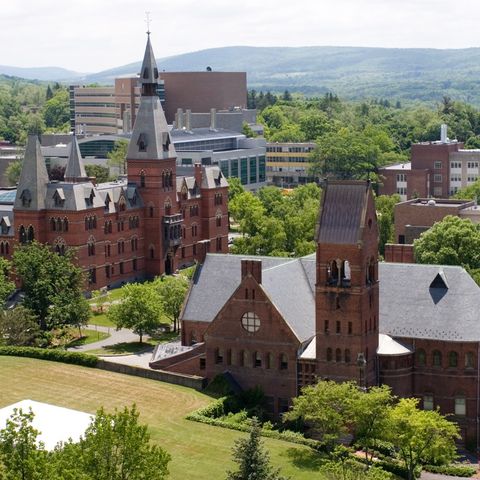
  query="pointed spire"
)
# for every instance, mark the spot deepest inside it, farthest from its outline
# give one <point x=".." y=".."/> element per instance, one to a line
<point x="32" y="186"/>
<point x="150" y="138"/>
<point x="75" y="171"/>
<point x="149" y="70"/>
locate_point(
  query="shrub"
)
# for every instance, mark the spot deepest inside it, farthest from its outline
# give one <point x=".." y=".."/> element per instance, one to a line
<point x="54" y="355"/>
<point x="396" y="468"/>
<point x="453" y="470"/>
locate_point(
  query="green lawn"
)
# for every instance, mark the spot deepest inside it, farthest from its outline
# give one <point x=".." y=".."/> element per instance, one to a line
<point x="199" y="452"/>
<point x="88" y="336"/>
<point x="102" y="320"/>
<point x="126" y="348"/>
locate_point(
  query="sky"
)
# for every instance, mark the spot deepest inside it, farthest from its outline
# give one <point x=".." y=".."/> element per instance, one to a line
<point x="94" y="35"/>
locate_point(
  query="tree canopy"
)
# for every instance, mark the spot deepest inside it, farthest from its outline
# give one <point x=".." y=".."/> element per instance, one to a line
<point x="118" y="156"/>
<point x="53" y="285"/>
<point x="172" y="291"/>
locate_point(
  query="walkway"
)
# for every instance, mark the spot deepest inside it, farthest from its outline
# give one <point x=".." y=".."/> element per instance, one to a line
<point x="116" y="336"/>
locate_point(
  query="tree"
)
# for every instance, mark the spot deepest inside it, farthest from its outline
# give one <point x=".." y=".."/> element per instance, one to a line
<point x="247" y="130"/>
<point x="420" y="436"/>
<point x="19" y="327"/>
<point x="117" y="447"/>
<point x="117" y="157"/>
<point x="326" y="407"/>
<point x="53" y="285"/>
<point x="56" y="111"/>
<point x="385" y="206"/>
<point x="22" y="458"/>
<point x="172" y="291"/>
<point x="6" y="285"/>
<point x="98" y="171"/>
<point x="49" y="93"/>
<point x="13" y="172"/>
<point x="235" y="187"/>
<point x="453" y="241"/>
<point x="139" y="309"/>
<point x="252" y="459"/>
<point x="369" y="417"/>
<point x="57" y="172"/>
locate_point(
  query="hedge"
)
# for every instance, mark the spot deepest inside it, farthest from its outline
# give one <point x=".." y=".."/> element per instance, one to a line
<point x="453" y="470"/>
<point x="54" y="355"/>
<point x="215" y="409"/>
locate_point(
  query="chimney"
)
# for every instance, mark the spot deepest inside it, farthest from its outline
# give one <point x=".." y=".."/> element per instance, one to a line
<point x="443" y="133"/>
<point x="253" y="268"/>
<point x="179" y="119"/>
<point x="188" y="120"/>
<point x="198" y="174"/>
<point x="213" y="119"/>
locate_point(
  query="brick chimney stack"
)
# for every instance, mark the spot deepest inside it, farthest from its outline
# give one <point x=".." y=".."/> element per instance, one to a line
<point x="253" y="268"/>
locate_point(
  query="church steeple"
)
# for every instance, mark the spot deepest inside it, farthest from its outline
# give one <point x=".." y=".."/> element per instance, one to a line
<point x="32" y="186"/>
<point x="150" y="137"/>
<point x="75" y="171"/>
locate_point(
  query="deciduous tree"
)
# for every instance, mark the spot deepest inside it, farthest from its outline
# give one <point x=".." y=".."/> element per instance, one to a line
<point x="172" y="291"/>
<point x="117" y="157"/>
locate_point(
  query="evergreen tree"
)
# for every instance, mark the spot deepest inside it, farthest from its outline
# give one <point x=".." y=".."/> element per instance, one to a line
<point x="49" y="93"/>
<point x="252" y="459"/>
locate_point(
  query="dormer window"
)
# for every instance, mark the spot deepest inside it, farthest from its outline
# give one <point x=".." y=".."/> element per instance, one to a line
<point x="121" y="204"/>
<point x="142" y="143"/>
<point x="89" y="199"/>
<point x="59" y="197"/>
<point x="5" y="225"/>
<point x="26" y="198"/>
<point x="145" y="73"/>
<point x="107" y="203"/>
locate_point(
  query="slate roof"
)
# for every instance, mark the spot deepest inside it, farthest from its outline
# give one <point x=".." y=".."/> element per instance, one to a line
<point x="213" y="177"/>
<point x="148" y="71"/>
<point x="342" y="212"/>
<point x="409" y="307"/>
<point x="220" y="276"/>
<point x="74" y="194"/>
<point x="75" y="171"/>
<point x="33" y="178"/>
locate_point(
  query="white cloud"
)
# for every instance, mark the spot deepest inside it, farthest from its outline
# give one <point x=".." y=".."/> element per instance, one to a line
<point x="93" y="35"/>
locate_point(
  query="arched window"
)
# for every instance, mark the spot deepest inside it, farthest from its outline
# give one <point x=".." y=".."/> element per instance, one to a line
<point x="346" y="274"/>
<point x="329" y="354"/>
<point x="218" y="220"/>
<point x="7" y="248"/>
<point x="163" y="180"/>
<point x="2" y="248"/>
<point x="347" y="356"/>
<point x="150" y="211"/>
<point x="421" y="357"/>
<point x="469" y="360"/>
<point x="53" y="224"/>
<point x="453" y="359"/>
<point x="332" y="273"/>
<point x="30" y="234"/>
<point x="142" y="178"/>
<point x="269" y="360"/>
<point x="437" y="358"/>
<point x="257" y="360"/>
<point x="22" y="235"/>
<point x="283" y="361"/>
<point x="338" y="355"/>
<point x="168" y="207"/>
<point x="65" y="225"/>
<point x="152" y="251"/>
<point x="59" y="224"/>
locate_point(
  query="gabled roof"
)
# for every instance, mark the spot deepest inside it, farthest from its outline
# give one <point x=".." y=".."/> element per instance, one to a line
<point x="220" y="275"/>
<point x="213" y="177"/>
<point x="33" y="179"/>
<point x="342" y="212"/>
<point x="75" y="170"/>
<point x="411" y="307"/>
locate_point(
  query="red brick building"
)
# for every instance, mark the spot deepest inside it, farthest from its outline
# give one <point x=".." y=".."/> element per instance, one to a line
<point x="282" y="323"/>
<point x="146" y="224"/>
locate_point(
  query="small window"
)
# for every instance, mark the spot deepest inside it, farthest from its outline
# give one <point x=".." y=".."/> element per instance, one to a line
<point x="325" y="326"/>
<point x="453" y="359"/>
<point x="218" y="356"/>
<point x="338" y="355"/>
<point x="437" y="359"/>
<point x="437" y="165"/>
<point x="283" y="362"/>
<point x="250" y="322"/>
<point x="347" y="356"/>
<point x="269" y="361"/>
<point x="338" y="326"/>
<point x="257" y="358"/>
<point x="329" y="354"/>
<point x="350" y="328"/>
<point x="428" y="402"/>
<point x="469" y="360"/>
<point x="421" y="357"/>
<point x="460" y="406"/>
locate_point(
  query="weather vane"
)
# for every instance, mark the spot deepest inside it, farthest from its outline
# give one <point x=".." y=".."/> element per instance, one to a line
<point x="148" y="20"/>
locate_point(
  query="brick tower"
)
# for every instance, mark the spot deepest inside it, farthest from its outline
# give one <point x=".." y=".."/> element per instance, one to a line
<point x="151" y="161"/>
<point x="347" y="283"/>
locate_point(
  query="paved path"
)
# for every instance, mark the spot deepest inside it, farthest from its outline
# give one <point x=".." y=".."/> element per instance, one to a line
<point x="116" y="336"/>
<point x="136" y="360"/>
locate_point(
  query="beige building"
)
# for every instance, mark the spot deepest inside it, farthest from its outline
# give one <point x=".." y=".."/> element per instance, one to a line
<point x="288" y="163"/>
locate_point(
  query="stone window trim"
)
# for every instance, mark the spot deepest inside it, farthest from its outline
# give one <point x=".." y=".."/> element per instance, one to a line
<point x="250" y="322"/>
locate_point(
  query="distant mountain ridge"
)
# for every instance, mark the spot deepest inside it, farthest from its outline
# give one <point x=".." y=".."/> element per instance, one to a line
<point x="352" y="72"/>
<point x="40" y="73"/>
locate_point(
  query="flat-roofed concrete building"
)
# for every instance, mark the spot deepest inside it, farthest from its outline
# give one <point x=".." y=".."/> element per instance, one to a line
<point x="288" y="163"/>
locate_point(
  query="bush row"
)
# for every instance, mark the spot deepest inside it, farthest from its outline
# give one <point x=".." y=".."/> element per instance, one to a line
<point x="286" y="435"/>
<point x="453" y="470"/>
<point x="396" y="468"/>
<point x="54" y="355"/>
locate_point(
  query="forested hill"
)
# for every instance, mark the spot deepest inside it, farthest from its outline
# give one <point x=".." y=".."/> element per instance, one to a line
<point x="351" y="72"/>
